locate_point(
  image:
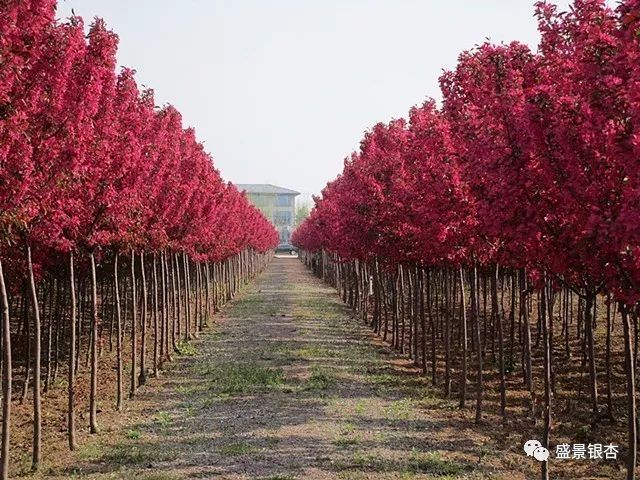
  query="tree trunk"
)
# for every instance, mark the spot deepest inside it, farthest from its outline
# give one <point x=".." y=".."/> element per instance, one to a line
<point x="593" y="379"/>
<point x="116" y="288"/>
<point x="37" y="404"/>
<point x="6" y="379"/>
<point x="608" y="361"/>
<point x="463" y="306"/>
<point x="134" y="320"/>
<point x="142" y="379"/>
<point x="497" y="321"/>
<point x="155" y="317"/>
<point x="93" y="422"/>
<point x="475" y="311"/>
<point x="631" y="395"/>
<point x="547" y="378"/>
<point x="71" y="418"/>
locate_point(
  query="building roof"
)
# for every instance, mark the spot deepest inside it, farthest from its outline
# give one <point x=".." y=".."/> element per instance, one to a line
<point x="264" y="188"/>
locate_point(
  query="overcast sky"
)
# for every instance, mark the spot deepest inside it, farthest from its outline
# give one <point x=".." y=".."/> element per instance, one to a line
<point x="280" y="91"/>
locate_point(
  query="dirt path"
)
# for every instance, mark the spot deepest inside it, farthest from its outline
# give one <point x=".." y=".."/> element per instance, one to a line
<point x="288" y="386"/>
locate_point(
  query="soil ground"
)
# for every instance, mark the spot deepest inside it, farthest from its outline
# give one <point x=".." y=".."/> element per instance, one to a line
<point x="287" y="385"/>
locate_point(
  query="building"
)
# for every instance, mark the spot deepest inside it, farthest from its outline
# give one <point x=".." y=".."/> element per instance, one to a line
<point x="276" y="203"/>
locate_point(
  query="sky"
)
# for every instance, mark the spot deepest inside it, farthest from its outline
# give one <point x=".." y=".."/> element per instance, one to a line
<point x="281" y="91"/>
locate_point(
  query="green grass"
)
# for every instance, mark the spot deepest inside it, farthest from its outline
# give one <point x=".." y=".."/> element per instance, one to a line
<point x="89" y="451"/>
<point x="346" y="441"/>
<point x="236" y="448"/>
<point x="133" y="434"/>
<point x="360" y="407"/>
<point x="399" y="410"/>
<point x="418" y="463"/>
<point x="186" y="349"/>
<point x="320" y="379"/>
<point x="138" y="454"/>
<point x="242" y="378"/>
<point x="311" y="352"/>
<point x="154" y="476"/>
<point x="281" y="352"/>
<point x="130" y="476"/>
<point x="163" y="418"/>
<point x="433" y="463"/>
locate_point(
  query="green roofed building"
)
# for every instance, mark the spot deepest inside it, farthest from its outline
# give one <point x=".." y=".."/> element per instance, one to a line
<point x="276" y="203"/>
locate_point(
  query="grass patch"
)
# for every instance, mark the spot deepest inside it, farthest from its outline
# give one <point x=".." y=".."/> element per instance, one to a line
<point x="89" y="451"/>
<point x="133" y="434"/>
<point x="131" y="476"/>
<point x="163" y="418"/>
<point x="320" y="379"/>
<point x="311" y="352"/>
<point x="186" y="349"/>
<point x="138" y="455"/>
<point x="236" y="448"/>
<point x="418" y="463"/>
<point x="360" y="407"/>
<point x="155" y="476"/>
<point x="188" y="390"/>
<point x="346" y="442"/>
<point x="433" y="463"/>
<point x="348" y="428"/>
<point x="242" y="378"/>
<point x="281" y="352"/>
<point x="399" y="410"/>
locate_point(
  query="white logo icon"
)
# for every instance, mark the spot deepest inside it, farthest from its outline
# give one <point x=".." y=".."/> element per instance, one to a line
<point x="533" y="448"/>
<point x="541" y="454"/>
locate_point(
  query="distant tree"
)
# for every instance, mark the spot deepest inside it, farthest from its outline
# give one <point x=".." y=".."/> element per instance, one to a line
<point x="302" y="212"/>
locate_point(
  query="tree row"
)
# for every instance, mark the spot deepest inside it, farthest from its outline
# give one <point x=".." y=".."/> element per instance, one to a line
<point x="113" y="219"/>
<point x="499" y="230"/>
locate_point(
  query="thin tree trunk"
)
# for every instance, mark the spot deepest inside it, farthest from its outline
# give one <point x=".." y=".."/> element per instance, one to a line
<point x="134" y="320"/>
<point x="547" y="377"/>
<point x="47" y="376"/>
<point x="447" y="334"/>
<point x="155" y="318"/>
<point x="631" y="395"/>
<point x="475" y="311"/>
<point x="71" y="419"/>
<point x="463" y="380"/>
<point x="37" y="404"/>
<point x="142" y="379"/>
<point x="93" y="422"/>
<point x="116" y="288"/>
<point x="497" y="321"/>
<point x="6" y="379"/>
<point x="593" y="379"/>
<point x="164" y="350"/>
<point x="608" y="361"/>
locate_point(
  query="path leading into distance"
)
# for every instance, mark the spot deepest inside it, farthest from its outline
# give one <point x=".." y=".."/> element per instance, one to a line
<point x="287" y="385"/>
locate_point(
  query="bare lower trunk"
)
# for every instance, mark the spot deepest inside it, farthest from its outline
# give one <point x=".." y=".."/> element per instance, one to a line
<point x="93" y="421"/>
<point x="134" y="320"/>
<point x="547" y="378"/>
<point x="497" y="320"/>
<point x="142" y="379"/>
<point x="475" y="310"/>
<point x="155" y="318"/>
<point x="37" y="404"/>
<point x="6" y="379"/>
<point x="71" y="419"/>
<point x="116" y="288"/>
<point x="631" y="395"/>
<point x="463" y="306"/>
